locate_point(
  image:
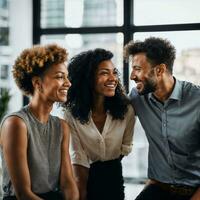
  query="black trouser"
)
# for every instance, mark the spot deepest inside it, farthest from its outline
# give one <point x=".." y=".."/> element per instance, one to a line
<point x="46" y="196"/>
<point x="155" y="192"/>
<point x="105" y="181"/>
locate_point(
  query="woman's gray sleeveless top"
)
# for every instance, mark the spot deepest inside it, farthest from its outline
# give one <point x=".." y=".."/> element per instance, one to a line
<point x="43" y="153"/>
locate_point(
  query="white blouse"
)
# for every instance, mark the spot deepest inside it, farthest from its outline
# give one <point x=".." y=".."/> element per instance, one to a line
<point x="88" y="145"/>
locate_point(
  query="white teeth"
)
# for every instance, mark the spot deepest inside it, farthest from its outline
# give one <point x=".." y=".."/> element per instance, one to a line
<point x="112" y="86"/>
<point x="64" y="91"/>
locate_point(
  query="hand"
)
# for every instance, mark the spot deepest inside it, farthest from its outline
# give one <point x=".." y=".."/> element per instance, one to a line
<point x="196" y="195"/>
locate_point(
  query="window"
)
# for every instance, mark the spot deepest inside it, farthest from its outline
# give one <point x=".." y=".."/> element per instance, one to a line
<point x="88" y="24"/>
<point x="75" y="43"/>
<point x="4" y="36"/>
<point x="81" y="13"/>
<point x="4" y="30"/>
<point x="3" y="3"/>
<point x="158" y="12"/>
<point x="4" y="71"/>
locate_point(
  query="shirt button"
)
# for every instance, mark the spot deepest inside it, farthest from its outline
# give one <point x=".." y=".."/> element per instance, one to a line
<point x="99" y="141"/>
<point x="164" y="124"/>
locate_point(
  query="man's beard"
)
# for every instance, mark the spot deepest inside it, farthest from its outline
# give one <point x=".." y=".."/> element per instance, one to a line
<point x="149" y="86"/>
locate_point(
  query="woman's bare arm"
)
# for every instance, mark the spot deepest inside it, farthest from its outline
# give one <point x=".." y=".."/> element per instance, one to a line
<point x="81" y="174"/>
<point x="67" y="181"/>
<point x="14" y="144"/>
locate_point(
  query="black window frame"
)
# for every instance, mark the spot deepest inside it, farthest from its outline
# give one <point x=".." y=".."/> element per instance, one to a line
<point x="128" y="29"/>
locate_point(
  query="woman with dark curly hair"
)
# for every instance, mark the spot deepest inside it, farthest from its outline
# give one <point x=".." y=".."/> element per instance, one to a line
<point x="34" y="144"/>
<point x="101" y="122"/>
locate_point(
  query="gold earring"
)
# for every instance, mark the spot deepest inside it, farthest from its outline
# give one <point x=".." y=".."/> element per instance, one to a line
<point x="40" y="89"/>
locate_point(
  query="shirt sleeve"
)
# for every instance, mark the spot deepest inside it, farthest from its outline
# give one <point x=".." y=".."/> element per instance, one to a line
<point x="133" y="96"/>
<point x="127" y="142"/>
<point x="77" y="153"/>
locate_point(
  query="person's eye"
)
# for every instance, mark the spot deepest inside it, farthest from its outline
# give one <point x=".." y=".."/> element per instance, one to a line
<point x="59" y="77"/>
<point x="116" y="73"/>
<point x="103" y="73"/>
<point x="137" y="69"/>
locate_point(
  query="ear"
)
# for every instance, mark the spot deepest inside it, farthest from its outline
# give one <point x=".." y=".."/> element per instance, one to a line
<point x="161" y="69"/>
<point x="36" y="82"/>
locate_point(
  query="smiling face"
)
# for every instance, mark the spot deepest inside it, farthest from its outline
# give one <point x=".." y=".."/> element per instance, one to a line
<point x="143" y="74"/>
<point x="106" y="79"/>
<point x="54" y="84"/>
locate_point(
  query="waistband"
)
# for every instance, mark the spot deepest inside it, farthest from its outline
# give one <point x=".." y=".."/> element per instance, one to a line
<point x="183" y="190"/>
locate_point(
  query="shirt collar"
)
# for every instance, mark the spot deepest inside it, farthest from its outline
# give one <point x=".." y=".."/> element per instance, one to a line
<point x="176" y="93"/>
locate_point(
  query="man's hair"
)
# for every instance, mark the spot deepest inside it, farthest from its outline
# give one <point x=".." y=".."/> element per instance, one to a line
<point x="157" y="51"/>
<point x="34" y="62"/>
<point x="82" y="69"/>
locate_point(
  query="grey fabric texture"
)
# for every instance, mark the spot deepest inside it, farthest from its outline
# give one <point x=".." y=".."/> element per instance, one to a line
<point x="173" y="132"/>
<point x="43" y="153"/>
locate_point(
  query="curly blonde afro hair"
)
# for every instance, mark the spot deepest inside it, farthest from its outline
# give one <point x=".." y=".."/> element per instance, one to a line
<point x="34" y="62"/>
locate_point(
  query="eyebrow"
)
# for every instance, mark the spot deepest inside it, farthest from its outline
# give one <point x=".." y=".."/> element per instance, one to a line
<point x="57" y="72"/>
<point x="114" y="69"/>
<point x="133" y="66"/>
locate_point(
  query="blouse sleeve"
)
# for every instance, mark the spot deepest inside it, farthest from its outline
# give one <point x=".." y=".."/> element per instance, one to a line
<point x="77" y="153"/>
<point x="127" y="142"/>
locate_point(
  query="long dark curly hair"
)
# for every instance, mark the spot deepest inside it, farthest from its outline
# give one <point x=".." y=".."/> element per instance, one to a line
<point x="82" y="68"/>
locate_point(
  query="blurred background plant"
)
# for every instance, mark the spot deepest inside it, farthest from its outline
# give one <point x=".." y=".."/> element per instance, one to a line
<point x="4" y="100"/>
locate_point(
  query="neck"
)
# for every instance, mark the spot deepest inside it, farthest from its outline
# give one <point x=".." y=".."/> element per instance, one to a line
<point x="40" y="109"/>
<point x="165" y="88"/>
<point x="98" y="105"/>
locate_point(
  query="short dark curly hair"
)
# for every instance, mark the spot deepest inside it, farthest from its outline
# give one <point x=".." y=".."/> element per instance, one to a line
<point x="34" y="62"/>
<point x="82" y="68"/>
<point x="157" y="51"/>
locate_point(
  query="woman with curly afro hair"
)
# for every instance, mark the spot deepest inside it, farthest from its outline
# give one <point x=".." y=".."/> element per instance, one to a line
<point x="101" y="122"/>
<point x="34" y="144"/>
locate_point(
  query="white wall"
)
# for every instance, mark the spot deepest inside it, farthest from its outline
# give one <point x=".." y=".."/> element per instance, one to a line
<point x="20" y="12"/>
<point x="20" y="23"/>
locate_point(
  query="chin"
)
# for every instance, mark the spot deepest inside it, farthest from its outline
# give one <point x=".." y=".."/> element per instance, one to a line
<point x="62" y="100"/>
<point x="111" y="94"/>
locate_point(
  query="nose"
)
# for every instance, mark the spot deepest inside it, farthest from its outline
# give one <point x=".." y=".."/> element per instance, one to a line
<point x="67" y="82"/>
<point x="113" y="76"/>
<point x="133" y="75"/>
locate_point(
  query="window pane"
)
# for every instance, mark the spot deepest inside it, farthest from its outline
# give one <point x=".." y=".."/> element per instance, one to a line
<point x="4" y="71"/>
<point x="4" y="36"/>
<point x="3" y="4"/>
<point x="166" y="12"/>
<point x="75" y="43"/>
<point x="4" y="29"/>
<point x="78" y="13"/>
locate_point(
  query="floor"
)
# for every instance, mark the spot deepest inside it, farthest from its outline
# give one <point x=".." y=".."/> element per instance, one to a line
<point x="132" y="190"/>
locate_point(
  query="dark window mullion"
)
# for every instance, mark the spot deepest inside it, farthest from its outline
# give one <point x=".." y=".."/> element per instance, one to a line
<point x="36" y="21"/>
<point x="128" y="35"/>
<point x="36" y="32"/>
<point x="93" y="30"/>
<point x="128" y="29"/>
<point x="167" y="27"/>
